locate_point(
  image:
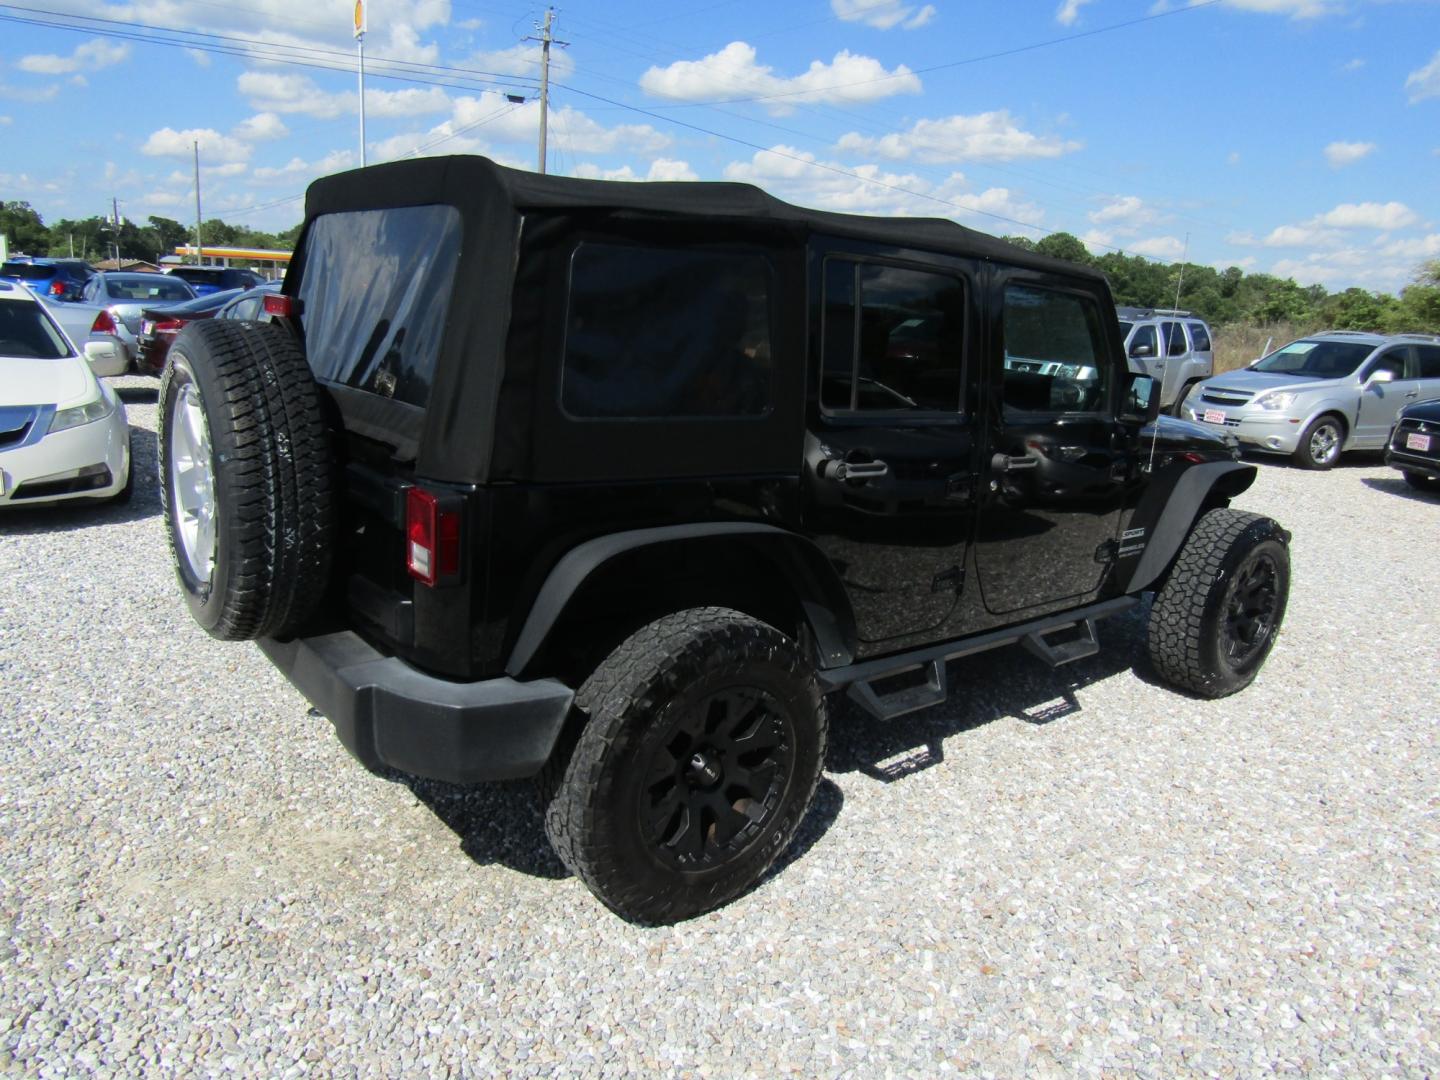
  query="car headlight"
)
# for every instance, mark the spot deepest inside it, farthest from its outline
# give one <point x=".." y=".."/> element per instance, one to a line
<point x="88" y="413"/>
<point x="1275" y="401"/>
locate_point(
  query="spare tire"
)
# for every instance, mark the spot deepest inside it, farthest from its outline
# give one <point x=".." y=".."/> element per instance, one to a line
<point x="246" y="478"/>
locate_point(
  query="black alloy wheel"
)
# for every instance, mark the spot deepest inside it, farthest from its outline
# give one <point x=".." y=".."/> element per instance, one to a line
<point x="718" y="778"/>
<point x="1250" y="607"/>
<point x="701" y="746"/>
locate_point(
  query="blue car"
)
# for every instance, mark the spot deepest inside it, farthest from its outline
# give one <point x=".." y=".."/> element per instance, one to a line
<point x="208" y="279"/>
<point x="54" y="279"/>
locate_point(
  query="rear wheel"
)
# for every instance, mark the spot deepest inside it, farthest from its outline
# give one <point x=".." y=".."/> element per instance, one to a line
<point x="699" y="758"/>
<point x="245" y="479"/>
<point x="1214" y="621"/>
<point x="1320" y="443"/>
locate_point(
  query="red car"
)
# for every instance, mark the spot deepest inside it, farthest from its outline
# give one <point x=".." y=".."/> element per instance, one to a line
<point x="159" y="326"/>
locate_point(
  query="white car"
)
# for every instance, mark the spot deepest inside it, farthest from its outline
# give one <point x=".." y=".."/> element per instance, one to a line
<point x="63" y="433"/>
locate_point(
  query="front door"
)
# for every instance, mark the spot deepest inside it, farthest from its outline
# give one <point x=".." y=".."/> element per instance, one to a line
<point x="1059" y="462"/>
<point x="890" y="444"/>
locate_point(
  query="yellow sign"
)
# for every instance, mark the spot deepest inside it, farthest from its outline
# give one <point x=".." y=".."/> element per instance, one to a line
<point x="359" y="18"/>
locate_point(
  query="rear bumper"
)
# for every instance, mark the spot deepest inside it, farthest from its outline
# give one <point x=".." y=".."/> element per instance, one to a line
<point x="388" y="714"/>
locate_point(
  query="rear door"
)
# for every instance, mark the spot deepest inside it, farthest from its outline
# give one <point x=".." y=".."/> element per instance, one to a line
<point x="891" y="436"/>
<point x="1059" y="462"/>
<point x="1381" y="402"/>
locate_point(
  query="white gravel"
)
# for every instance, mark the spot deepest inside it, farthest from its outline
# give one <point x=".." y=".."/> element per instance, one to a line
<point x="1058" y="873"/>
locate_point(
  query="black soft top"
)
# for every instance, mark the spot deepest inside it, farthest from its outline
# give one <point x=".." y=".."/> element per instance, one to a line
<point x="479" y="187"/>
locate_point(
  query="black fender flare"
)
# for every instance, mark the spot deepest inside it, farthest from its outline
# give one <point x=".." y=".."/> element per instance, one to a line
<point x="1181" y="508"/>
<point x="822" y="596"/>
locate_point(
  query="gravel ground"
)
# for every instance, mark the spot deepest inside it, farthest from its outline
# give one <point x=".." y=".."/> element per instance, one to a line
<point x="1059" y="872"/>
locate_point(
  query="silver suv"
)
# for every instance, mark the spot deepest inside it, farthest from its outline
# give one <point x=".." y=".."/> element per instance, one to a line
<point x="1173" y="347"/>
<point x="1322" y="395"/>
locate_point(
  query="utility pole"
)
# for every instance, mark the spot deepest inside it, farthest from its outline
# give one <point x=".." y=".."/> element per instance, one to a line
<point x="115" y="211"/>
<point x="198" y="260"/>
<point x="360" y="26"/>
<point x="546" y="39"/>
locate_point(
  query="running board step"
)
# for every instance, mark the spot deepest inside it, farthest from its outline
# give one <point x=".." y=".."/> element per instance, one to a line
<point x="887" y="706"/>
<point x="1077" y="641"/>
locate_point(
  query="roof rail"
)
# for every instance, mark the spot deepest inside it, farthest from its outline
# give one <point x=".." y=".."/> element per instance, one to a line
<point x="1176" y="312"/>
<point x="1346" y="333"/>
<point x="1420" y="337"/>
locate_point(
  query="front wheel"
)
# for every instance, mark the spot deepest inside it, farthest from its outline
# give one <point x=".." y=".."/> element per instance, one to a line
<point x="1320" y="444"/>
<point x="699" y="758"/>
<point x="1215" y="619"/>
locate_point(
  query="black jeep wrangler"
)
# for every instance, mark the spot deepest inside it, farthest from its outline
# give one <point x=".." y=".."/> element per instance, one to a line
<point x="613" y="483"/>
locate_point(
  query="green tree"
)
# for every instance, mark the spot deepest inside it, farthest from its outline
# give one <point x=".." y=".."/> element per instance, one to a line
<point x="1064" y="245"/>
<point x="23" y="228"/>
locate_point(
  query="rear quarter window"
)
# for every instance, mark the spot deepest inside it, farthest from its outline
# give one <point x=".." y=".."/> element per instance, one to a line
<point x="1200" y="336"/>
<point x="658" y="333"/>
<point x="375" y="288"/>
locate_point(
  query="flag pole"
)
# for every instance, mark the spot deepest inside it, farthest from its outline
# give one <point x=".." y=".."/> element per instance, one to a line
<point x="360" y="50"/>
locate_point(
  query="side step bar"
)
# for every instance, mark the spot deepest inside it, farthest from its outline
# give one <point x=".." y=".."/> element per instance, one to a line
<point x="1061" y="639"/>
<point x="1066" y="651"/>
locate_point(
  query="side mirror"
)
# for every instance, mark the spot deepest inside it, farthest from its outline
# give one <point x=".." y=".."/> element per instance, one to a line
<point x="1142" y="398"/>
<point x="1382" y="375"/>
<point x="1142" y="350"/>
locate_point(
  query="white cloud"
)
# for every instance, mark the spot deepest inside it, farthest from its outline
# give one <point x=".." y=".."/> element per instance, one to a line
<point x="261" y="126"/>
<point x="1069" y="11"/>
<point x="1424" y="82"/>
<point x="1158" y="247"/>
<point x="522" y="59"/>
<point x="1309" y="234"/>
<point x="29" y="94"/>
<point x="1295" y="9"/>
<point x="1097" y="240"/>
<point x="201" y="58"/>
<point x="1232" y="158"/>
<point x="92" y="55"/>
<point x="289" y="93"/>
<point x="5" y="121"/>
<point x="300" y="170"/>
<point x="1346" y="267"/>
<point x="800" y="177"/>
<point x="1370" y="215"/>
<point x="1340" y="154"/>
<point x="989" y="136"/>
<point x="733" y="72"/>
<point x="272" y="91"/>
<point x="214" y="147"/>
<point x="667" y="169"/>
<point x="1353" y="65"/>
<point x="1420" y="247"/>
<point x="883" y="14"/>
<point x="1126" y="214"/>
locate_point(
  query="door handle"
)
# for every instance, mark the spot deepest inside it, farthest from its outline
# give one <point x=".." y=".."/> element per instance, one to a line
<point x="854" y="470"/>
<point x="1004" y="463"/>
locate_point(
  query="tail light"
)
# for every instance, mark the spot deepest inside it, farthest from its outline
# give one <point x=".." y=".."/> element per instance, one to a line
<point x="432" y="536"/>
<point x="57" y="287"/>
<point x="104" y="323"/>
<point x="166" y="325"/>
<point x="280" y="305"/>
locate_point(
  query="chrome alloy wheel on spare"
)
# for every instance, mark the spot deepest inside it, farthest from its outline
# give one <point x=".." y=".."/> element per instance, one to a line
<point x="192" y="483"/>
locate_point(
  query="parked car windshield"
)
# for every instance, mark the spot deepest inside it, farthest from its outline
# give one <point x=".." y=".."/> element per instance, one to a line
<point x="26" y="330"/>
<point x="210" y="302"/>
<point x="198" y="275"/>
<point x="1319" y="359"/>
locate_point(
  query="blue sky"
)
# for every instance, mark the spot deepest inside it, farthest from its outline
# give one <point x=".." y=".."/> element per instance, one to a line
<point x="1297" y="137"/>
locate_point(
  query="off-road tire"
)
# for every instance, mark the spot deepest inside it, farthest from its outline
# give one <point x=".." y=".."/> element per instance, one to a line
<point x="1208" y="633"/>
<point x="1307" y="455"/>
<point x="637" y="704"/>
<point x="272" y="471"/>
<point x="1421" y="482"/>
